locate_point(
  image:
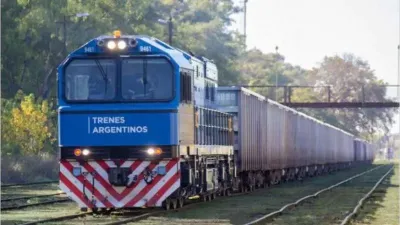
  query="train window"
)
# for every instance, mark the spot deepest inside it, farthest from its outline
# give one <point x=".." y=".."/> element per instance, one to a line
<point x="88" y="79"/>
<point x="212" y="93"/>
<point x="147" y="79"/>
<point x="186" y="87"/>
<point x="207" y="91"/>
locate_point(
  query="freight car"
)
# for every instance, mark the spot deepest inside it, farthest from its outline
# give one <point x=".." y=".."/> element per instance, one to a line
<point x="363" y="151"/>
<point x="139" y="126"/>
<point x="274" y="142"/>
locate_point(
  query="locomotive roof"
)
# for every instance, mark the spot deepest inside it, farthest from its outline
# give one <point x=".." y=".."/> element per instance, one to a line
<point x="157" y="47"/>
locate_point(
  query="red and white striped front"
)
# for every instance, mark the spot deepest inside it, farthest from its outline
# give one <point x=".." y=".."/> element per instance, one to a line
<point x="101" y="194"/>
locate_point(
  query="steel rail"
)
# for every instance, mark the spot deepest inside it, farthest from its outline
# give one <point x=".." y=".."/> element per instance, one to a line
<point x="28" y="184"/>
<point x="293" y="204"/>
<point x="346" y="220"/>
<point x="28" y="197"/>
<point x="34" y="204"/>
<point x="61" y="218"/>
<point x="136" y="218"/>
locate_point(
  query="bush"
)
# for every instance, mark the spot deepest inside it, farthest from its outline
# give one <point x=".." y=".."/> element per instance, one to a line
<point x="29" y="168"/>
<point x="28" y="131"/>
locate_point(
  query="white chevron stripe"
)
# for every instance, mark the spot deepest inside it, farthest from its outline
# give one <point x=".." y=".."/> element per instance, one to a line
<point x="104" y="192"/>
<point x="99" y="170"/>
<point x="104" y="174"/>
<point x="72" y="195"/>
<point x="157" y="187"/>
<point x="79" y="185"/>
<point x="171" y="190"/>
<point x="127" y="163"/>
<point x="97" y="185"/>
<point x="142" y="184"/>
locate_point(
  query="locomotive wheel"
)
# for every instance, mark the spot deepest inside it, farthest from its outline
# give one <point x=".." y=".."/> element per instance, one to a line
<point x="84" y="209"/>
<point x="204" y="198"/>
<point x="167" y="204"/>
<point x="181" y="202"/>
<point x="278" y="178"/>
<point x="214" y="195"/>
<point x="209" y="198"/>
<point x="94" y="210"/>
<point x="264" y="185"/>
<point x="174" y="203"/>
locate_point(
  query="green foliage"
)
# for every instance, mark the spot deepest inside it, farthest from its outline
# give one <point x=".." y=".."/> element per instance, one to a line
<point x="348" y="75"/>
<point x="33" y="46"/>
<point x="26" y="125"/>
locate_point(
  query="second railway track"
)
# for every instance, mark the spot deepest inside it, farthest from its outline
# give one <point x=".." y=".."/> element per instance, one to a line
<point x="357" y="185"/>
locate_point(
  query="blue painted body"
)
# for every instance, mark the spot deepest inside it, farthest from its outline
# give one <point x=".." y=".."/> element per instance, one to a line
<point x="76" y="120"/>
<point x="116" y="129"/>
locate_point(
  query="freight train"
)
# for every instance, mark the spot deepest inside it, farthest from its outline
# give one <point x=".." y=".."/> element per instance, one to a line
<point x="144" y="124"/>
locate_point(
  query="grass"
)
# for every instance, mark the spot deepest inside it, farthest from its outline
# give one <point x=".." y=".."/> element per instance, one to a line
<point x="383" y="206"/>
<point x="332" y="207"/>
<point x="38" y="213"/>
<point x="34" y="190"/>
<point x="234" y="210"/>
<point x="32" y="213"/>
<point x="242" y="209"/>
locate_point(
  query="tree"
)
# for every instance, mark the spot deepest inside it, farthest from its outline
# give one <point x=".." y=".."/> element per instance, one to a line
<point x="26" y="124"/>
<point x="257" y="68"/>
<point x="33" y="42"/>
<point x="348" y="75"/>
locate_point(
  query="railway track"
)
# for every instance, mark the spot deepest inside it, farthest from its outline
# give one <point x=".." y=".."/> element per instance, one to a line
<point x="127" y="217"/>
<point x="21" y="202"/>
<point x="287" y="207"/>
<point x="60" y="218"/>
<point x="347" y="219"/>
<point x="21" y="206"/>
<point x="28" y="184"/>
<point x="29" y="197"/>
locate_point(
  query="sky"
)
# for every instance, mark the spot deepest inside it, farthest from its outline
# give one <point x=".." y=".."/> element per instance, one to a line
<point x="307" y="30"/>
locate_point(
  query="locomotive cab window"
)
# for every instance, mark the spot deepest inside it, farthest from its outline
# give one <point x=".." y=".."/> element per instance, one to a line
<point x="147" y="79"/>
<point x="94" y="80"/>
<point x="90" y="79"/>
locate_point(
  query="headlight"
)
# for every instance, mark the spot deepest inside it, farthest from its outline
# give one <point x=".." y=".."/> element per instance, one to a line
<point x="150" y="151"/>
<point x="77" y="152"/>
<point x="154" y="151"/>
<point x="121" y="45"/>
<point x="111" y="45"/>
<point x="85" y="152"/>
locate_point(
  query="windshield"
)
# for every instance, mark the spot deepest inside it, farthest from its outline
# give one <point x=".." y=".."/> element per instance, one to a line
<point x="90" y="79"/>
<point x="141" y="80"/>
<point x="147" y="79"/>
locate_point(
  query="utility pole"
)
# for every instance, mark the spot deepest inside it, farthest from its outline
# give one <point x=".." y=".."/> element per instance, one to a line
<point x="170" y="25"/>
<point x="245" y="20"/>
<point x="398" y="61"/>
<point x="398" y="69"/>
<point x="276" y="74"/>
<point x="170" y="30"/>
<point x="64" y="26"/>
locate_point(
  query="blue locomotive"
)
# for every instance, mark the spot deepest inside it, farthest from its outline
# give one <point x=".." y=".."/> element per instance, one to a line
<point x="143" y="124"/>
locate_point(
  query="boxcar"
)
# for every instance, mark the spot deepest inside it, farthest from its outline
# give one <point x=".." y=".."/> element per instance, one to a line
<point x="273" y="141"/>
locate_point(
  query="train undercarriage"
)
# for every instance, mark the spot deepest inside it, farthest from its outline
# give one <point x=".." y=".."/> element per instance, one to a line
<point x="168" y="183"/>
